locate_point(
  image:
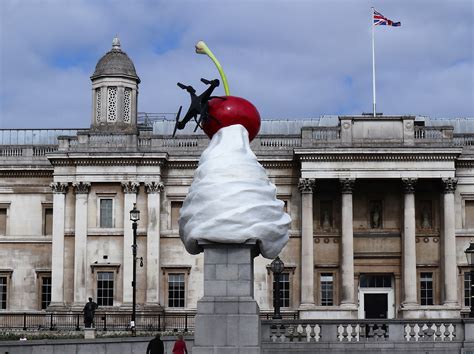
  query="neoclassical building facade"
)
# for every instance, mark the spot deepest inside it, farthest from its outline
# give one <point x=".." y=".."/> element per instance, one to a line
<point x="382" y="210"/>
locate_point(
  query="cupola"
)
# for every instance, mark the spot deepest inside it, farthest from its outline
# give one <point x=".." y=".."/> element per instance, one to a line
<point x="115" y="90"/>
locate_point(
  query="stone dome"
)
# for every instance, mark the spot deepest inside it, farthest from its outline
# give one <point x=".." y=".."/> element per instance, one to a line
<point x="115" y="63"/>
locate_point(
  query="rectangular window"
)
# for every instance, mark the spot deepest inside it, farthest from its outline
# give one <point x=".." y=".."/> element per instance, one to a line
<point x="106" y="212"/>
<point x="426" y="287"/>
<point x="48" y="221"/>
<point x="3" y="293"/>
<point x="3" y="221"/>
<point x="284" y="289"/>
<point x="105" y="288"/>
<point x="327" y="289"/>
<point x="176" y="290"/>
<point x="467" y="289"/>
<point x="45" y="292"/>
<point x="175" y="207"/>
<point x="375" y="281"/>
<point x="469" y="214"/>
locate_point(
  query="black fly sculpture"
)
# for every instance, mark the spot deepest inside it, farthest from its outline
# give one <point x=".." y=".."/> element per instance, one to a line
<point x="198" y="106"/>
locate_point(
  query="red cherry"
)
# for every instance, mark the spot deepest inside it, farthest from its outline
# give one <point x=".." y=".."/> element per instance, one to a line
<point x="229" y="110"/>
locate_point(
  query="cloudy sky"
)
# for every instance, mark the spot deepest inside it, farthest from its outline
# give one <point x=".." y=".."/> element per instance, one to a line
<point x="291" y="58"/>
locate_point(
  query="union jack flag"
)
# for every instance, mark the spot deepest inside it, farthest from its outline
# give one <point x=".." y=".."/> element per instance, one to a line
<point x="381" y="20"/>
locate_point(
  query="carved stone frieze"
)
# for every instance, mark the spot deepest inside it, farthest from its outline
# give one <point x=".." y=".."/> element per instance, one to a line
<point x="130" y="187"/>
<point x="449" y="184"/>
<point x="81" y="187"/>
<point x="154" y="187"/>
<point x="306" y="185"/>
<point x="347" y="185"/>
<point x="409" y="185"/>
<point x="58" y="187"/>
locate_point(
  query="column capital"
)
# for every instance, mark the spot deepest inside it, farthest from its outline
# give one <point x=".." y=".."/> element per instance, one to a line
<point x="130" y="187"/>
<point x="409" y="185"/>
<point x="307" y="185"/>
<point x="449" y="184"/>
<point x="347" y="185"/>
<point x="154" y="187"/>
<point x="81" y="187"/>
<point x="58" y="187"/>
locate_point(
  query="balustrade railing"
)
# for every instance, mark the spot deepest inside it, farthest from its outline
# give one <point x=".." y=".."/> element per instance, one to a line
<point x="309" y="331"/>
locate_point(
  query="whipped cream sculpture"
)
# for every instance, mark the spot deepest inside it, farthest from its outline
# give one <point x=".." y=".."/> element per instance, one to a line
<point x="231" y="199"/>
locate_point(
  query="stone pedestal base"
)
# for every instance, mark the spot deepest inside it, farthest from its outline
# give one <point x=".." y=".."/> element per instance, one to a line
<point x="89" y="333"/>
<point x="227" y="319"/>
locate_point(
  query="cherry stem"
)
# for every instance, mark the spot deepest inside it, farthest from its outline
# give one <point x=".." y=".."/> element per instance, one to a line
<point x="202" y="48"/>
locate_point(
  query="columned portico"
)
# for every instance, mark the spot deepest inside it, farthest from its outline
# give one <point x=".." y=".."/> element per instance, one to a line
<point x="153" y="190"/>
<point x="57" y="259"/>
<point x="347" y="245"/>
<point x="306" y="187"/>
<point x="409" y="244"/>
<point x="130" y="190"/>
<point x="449" y="243"/>
<point x="81" y="190"/>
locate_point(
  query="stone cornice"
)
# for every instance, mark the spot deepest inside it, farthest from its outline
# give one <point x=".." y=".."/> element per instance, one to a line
<point x="368" y="154"/>
<point x="108" y="162"/>
<point x="99" y="159"/>
<point x="273" y="164"/>
<point x="26" y="173"/>
<point x="465" y="163"/>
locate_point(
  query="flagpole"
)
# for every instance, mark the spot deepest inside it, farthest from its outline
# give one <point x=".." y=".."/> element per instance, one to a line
<point x="373" y="60"/>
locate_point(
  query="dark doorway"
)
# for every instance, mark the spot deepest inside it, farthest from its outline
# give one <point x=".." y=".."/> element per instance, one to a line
<point x="375" y="305"/>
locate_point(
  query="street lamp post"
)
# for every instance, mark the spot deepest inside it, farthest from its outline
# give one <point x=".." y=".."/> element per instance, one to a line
<point x="134" y="217"/>
<point x="277" y="267"/>
<point x="470" y="260"/>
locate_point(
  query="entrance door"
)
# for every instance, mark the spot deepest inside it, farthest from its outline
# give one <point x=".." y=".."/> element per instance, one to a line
<point x="375" y="305"/>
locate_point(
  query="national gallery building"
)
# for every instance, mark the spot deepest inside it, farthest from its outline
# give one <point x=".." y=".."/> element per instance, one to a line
<point x="382" y="211"/>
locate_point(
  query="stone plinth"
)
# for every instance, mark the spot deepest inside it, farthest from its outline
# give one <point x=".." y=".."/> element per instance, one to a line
<point x="89" y="333"/>
<point x="227" y="319"/>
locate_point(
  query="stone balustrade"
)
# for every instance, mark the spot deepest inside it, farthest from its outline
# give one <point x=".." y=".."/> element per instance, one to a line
<point x="313" y="331"/>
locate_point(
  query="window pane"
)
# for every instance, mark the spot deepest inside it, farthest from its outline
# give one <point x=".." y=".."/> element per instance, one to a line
<point x="467" y="289"/>
<point x="176" y="290"/>
<point x="426" y="288"/>
<point x="106" y="212"/>
<point x="3" y="293"/>
<point x="326" y="285"/>
<point x="105" y="289"/>
<point x="45" y="292"/>
<point x="284" y="289"/>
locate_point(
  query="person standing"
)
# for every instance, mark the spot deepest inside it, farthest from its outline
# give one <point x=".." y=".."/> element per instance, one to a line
<point x="89" y="312"/>
<point x="180" y="346"/>
<point x="156" y="346"/>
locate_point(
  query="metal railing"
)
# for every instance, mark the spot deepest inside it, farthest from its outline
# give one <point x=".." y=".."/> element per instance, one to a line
<point x="183" y="322"/>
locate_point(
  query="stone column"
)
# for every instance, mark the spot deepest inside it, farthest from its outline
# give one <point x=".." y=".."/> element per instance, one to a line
<point x="130" y="190"/>
<point x="57" y="259"/>
<point x="80" y="243"/>
<point x="306" y="187"/>
<point x="449" y="243"/>
<point x="409" y="243"/>
<point x="228" y="318"/>
<point x="347" y="244"/>
<point x="153" y="190"/>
